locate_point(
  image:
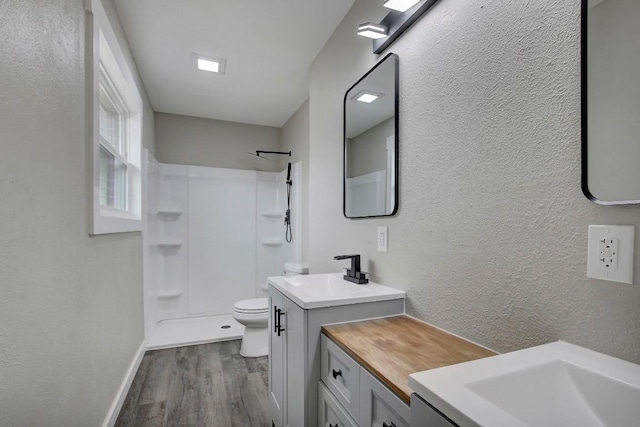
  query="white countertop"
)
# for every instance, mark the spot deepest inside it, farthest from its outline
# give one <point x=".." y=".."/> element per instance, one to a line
<point x="556" y="384"/>
<point x="327" y="290"/>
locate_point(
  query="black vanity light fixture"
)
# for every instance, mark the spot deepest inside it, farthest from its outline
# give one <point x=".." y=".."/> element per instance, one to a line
<point x="400" y="5"/>
<point x="403" y="15"/>
<point x="371" y="30"/>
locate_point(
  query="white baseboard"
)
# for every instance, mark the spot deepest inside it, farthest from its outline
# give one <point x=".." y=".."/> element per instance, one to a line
<point x="116" y="406"/>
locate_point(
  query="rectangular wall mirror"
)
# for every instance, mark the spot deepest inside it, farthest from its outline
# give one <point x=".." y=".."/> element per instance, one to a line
<point x="370" y="185"/>
<point x="611" y="101"/>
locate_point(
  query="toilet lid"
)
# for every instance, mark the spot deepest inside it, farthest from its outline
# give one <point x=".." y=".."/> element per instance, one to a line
<point x="252" y="305"/>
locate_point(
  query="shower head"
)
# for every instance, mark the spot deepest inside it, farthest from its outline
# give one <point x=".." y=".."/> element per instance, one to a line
<point x="289" y="174"/>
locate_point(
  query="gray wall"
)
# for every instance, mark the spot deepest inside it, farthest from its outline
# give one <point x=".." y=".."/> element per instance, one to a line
<point x="206" y="142"/>
<point x="368" y="151"/>
<point x="491" y="237"/>
<point x="295" y="137"/>
<point x="70" y="305"/>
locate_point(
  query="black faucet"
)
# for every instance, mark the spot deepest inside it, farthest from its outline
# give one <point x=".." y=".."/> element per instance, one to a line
<point x="354" y="274"/>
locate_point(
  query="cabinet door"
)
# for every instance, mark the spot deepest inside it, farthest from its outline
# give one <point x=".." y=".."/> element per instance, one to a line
<point x="296" y="346"/>
<point x="277" y="360"/>
<point x="330" y="413"/>
<point x="379" y="406"/>
<point x="424" y="415"/>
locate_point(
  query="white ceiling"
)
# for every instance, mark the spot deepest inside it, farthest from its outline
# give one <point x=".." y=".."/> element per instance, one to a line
<point x="269" y="47"/>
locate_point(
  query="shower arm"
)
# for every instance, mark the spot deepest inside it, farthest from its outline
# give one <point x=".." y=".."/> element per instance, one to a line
<point x="282" y="153"/>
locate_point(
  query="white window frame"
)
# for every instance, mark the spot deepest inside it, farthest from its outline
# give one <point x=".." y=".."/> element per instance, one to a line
<point x="103" y="50"/>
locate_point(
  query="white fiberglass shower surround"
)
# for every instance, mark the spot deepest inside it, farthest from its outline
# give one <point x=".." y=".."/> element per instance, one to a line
<point x="212" y="237"/>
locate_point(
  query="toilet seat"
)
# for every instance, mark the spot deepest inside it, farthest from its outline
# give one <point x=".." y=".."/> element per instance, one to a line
<point x="252" y="306"/>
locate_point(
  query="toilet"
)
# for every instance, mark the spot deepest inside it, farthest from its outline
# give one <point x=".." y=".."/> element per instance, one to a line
<point x="254" y="315"/>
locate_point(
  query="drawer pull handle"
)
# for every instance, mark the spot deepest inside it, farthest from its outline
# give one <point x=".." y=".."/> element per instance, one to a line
<point x="388" y="425"/>
<point x="336" y="425"/>
<point x="337" y="374"/>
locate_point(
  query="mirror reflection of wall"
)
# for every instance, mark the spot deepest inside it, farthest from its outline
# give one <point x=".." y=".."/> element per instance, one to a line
<point x="613" y="101"/>
<point x="370" y="144"/>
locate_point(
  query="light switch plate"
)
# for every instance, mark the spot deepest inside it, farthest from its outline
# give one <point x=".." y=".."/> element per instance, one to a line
<point x="382" y="239"/>
<point x="610" y="253"/>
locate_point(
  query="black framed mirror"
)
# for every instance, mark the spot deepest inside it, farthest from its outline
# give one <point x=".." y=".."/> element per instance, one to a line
<point x="611" y="101"/>
<point x="370" y="162"/>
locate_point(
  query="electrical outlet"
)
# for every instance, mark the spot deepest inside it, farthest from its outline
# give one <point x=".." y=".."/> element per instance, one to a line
<point x="382" y="239"/>
<point x="610" y="253"/>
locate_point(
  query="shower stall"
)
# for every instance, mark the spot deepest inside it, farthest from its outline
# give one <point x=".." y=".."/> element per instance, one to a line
<point x="212" y="237"/>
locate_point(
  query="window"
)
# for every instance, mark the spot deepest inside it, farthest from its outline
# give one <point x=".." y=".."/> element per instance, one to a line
<point x="116" y="131"/>
<point x="113" y="121"/>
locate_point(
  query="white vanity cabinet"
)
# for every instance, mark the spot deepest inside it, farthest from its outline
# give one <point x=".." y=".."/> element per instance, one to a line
<point x="294" y="348"/>
<point x="286" y="350"/>
<point x="351" y="389"/>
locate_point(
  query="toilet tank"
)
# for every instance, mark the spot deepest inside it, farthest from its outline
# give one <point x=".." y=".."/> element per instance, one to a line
<point x="295" y="268"/>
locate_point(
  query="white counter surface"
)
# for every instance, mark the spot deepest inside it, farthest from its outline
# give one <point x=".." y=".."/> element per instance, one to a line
<point x="327" y="290"/>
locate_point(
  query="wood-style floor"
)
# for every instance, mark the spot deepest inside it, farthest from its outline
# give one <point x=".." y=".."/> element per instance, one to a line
<point x="202" y="385"/>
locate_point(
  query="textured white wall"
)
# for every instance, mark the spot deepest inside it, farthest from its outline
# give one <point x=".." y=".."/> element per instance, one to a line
<point x="490" y="239"/>
<point x="197" y="141"/>
<point x="295" y="137"/>
<point x="70" y="304"/>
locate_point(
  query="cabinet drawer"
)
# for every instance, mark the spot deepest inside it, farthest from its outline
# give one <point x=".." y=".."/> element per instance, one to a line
<point x="341" y="375"/>
<point x="330" y="413"/>
<point x="379" y="406"/>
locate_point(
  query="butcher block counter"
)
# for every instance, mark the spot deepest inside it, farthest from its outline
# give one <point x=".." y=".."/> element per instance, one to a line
<point x="391" y="348"/>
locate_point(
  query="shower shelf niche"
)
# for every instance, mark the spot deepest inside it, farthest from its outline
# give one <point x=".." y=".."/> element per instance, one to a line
<point x="169" y="244"/>
<point x="272" y="214"/>
<point x="169" y="294"/>
<point x="169" y="214"/>
<point x="271" y="242"/>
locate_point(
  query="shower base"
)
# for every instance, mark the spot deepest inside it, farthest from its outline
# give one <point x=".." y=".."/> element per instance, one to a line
<point x="194" y="330"/>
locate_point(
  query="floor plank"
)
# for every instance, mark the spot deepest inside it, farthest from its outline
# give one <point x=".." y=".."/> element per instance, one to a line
<point x="212" y="395"/>
<point x="156" y="383"/>
<point x="256" y="408"/>
<point x="150" y="415"/>
<point x="209" y="385"/>
<point x="129" y="408"/>
<point x="181" y="395"/>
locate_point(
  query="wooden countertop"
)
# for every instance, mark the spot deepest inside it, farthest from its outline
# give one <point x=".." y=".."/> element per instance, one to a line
<point x="391" y="348"/>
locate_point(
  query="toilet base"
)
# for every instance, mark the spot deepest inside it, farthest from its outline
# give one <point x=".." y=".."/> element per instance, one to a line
<point x="255" y="342"/>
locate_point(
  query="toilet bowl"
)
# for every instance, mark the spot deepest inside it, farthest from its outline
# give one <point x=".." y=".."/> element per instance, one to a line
<point x="254" y="315"/>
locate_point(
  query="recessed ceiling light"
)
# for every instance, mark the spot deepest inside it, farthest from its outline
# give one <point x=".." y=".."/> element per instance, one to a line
<point x="206" y="65"/>
<point x="214" y="65"/>
<point x="400" y="5"/>
<point x="371" y="30"/>
<point x="367" y="96"/>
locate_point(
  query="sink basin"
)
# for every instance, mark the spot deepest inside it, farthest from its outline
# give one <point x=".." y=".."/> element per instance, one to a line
<point x="326" y="285"/>
<point x="325" y="290"/>
<point x="569" y="394"/>
<point x="557" y="384"/>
